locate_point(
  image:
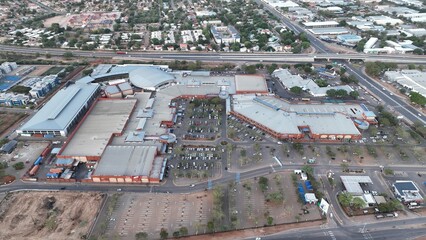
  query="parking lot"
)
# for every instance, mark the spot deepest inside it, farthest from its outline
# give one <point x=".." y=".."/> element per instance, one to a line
<point x="199" y="119"/>
<point x="150" y="212"/>
<point x="195" y="162"/>
<point x="239" y="130"/>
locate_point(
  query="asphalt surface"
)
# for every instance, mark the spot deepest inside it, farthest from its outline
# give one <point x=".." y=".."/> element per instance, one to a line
<point x="323" y="54"/>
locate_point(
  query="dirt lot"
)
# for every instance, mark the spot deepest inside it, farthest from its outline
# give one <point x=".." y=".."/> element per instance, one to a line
<point x="48" y="215"/>
<point x="7" y="119"/>
<point x="40" y="69"/>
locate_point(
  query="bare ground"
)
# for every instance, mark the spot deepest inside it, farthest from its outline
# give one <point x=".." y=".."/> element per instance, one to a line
<point x="47" y="215"/>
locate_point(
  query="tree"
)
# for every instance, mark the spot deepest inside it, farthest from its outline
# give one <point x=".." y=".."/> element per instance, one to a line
<point x="411" y="66"/>
<point x="270" y="220"/>
<point x="87" y="71"/>
<point x="68" y="55"/>
<point x="345" y="167"/>
<point x="417" y="98"/>
<point x="345" y="199"/>
<point x="141" y="236"/>
<point x="249" y="69"/>
<point x="358" y="203"/>
<point x="275" y="197"/>
<point x="263" y="183"/>
<point x="18" y="166"/>
<point x="308" y="170"/>
<point x="163" y="233"/>
<point x="418" y="51"/>
<point x="210" y="226"/>
<point x="116" y="27"/>
<point x="296" y="90"/>
<point x="183" y="231"/>
<point x="243" y="153"/>
<point x="388" y="171"/>
<point x="354" y="94"/>
<point x="20" y="89"/>
<point x="331" y="93"/>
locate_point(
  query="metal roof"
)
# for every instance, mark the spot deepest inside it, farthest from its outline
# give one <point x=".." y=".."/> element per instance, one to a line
<point x="108" y="116"/>
<point x="61" y="110"/>
<point x="250" y="83"/>
<point x="272" y="113"/>
<point x="149" y="77"/>
<point x="126" y="161"/>
<point x="352" y="183"/>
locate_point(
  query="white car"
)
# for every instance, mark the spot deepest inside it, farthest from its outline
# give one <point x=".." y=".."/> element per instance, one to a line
<point x="192" y="185"/>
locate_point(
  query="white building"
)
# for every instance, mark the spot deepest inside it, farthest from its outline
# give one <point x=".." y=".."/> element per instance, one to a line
<point x="414" y="80"/>
<point x="225" y="34"/>
<point x="384" y="20"/>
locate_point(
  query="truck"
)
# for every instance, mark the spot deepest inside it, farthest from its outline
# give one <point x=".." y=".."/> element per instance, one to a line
<point x="120" y="52"/>
<point x="38" y="161"/>
<point x="34" y="170"/>
<point x="56" y="170"/>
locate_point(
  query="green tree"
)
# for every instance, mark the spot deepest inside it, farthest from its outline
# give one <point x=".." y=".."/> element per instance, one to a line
<point x="141" y="236"/>
<point x="345" y="199"/>
<point x="183" y="231"/>
<point x="210" y="226"/>
<point x="68" y="55"/>
<point x="270" y="220"/>
<point x="275" y="197"/>
<point x="20" y="89"/>
<point x="417" y="98"/>
<point x="388" y="171"/>
<point x="87" y="71"/>
<point x="358" y="203"/>
<point x="296" y="90"/>
<point x="18" y="166"/>
<point x="163" y="233"/>
<point x="249" y="69"/>
<point x="354" y="94"/>
<point x="263" y="183"/>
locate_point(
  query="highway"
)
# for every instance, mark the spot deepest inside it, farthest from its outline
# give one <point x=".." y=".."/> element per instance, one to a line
<point x="224" y="56"/>
<point x="410" y="113"/>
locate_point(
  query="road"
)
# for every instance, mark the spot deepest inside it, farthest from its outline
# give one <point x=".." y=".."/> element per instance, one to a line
<point x="378" y="230"/>
<point x="225" y="56"/>
<point x="409" y="112"/>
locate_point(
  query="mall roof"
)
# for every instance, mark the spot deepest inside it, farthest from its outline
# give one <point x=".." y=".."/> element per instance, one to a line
<point x="107" y="117"/>
<point x="272" y="113"/>
<point x="250" y="83"/>
<point x="149" y="77"/>
<point x="62" y="108"/>
<point x="352" y="183"/>
<point x="126" y="161"/>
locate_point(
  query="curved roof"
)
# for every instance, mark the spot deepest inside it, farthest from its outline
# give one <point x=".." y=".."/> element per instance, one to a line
<point x="149" y="77"/>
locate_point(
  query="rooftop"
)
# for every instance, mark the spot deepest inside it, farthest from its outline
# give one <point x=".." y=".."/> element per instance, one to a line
<point x="60" y="111"/>
<point x="352" y="183"/>
<point x="273" y="112"/>
<point x="107" y="117"/>
<point x="126" y="161"/>
<point x="250" y="83"/>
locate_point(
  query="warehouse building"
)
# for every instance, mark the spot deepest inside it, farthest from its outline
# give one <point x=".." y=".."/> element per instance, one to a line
<point x="62" y="113"/>
<point x="414" y="80"/>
